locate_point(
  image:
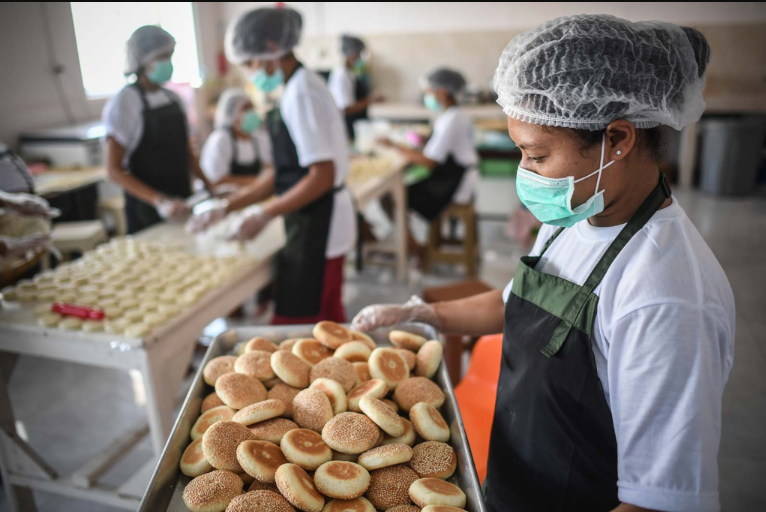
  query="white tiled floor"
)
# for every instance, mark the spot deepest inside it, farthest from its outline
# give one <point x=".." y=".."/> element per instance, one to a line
<point x="69" y="427"/>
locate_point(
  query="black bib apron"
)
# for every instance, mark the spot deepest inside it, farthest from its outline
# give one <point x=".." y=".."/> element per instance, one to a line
<point x="553" y="445"/>
<point x="238" y="169"/>
<point x="161" y="160"/>
<point x="361" y="91"/>
<point x="300" y="264"/>
<point x="431" y="196"/>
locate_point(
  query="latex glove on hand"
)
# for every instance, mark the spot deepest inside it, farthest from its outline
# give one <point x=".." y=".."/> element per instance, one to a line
<point x="10" y="247"/>
<point x="171" y="208"/>
<point x="251" y="224"/>
<point x="200" y="222"/>
<point x="384" y="315"/>
<point x="27" y="204"/>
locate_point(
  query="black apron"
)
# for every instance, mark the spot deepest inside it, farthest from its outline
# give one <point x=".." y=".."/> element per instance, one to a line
<point x="161" y="160"/>
<point x="553" y="445"/>
<point x="300" y="264"/>
<point x="361" y="91"/>
<point x="431" y="196"/>
<point x="237" y="169"/>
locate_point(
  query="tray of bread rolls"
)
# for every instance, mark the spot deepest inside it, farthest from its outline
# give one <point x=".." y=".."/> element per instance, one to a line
<point x="319" y="419"/>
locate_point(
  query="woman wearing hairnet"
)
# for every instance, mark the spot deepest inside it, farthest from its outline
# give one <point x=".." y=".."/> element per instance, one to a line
<point x="238" y="148"/>
<point x="147" y="147"/>
<point x="310" y="152"/>
<point x="619" y="327"/>
<point x="349" y="83"/>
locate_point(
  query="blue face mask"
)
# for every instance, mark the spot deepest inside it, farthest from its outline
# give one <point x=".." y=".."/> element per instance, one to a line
<point x="251" y="121"/>
<point x="550" y="200"/>
<point x="432" y="103"/>
<point x="267" y="83"/>
<point x="161" y="72"/>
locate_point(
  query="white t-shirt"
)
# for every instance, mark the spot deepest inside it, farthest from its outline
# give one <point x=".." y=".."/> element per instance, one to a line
<point x="452" y="135"/>
<point x="123" y="115"/>
<point x="216" y="155"/>
<point x="664" y="344"/>
<point x="341" y="85"/>
<point x="317" y="129"/>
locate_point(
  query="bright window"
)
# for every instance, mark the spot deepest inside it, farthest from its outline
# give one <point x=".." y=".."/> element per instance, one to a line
<point x="103" y="28"/>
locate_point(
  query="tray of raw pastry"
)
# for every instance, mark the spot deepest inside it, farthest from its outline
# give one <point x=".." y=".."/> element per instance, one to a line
<point x="319" y="419"/>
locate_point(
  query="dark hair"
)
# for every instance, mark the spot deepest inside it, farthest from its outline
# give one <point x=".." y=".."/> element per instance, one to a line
<point x="653" y="140"/>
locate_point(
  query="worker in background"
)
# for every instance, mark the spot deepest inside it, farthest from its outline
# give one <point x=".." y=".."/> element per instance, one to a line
<point x="148" y="150"/>
<point x="449" y="153"/>
<point x="310" y="168"/>
<point x="349" y="83"/>
<point x="238" y="148"/>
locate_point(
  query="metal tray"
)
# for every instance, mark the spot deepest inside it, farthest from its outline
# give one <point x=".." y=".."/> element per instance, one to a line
<point x="167" y="483"/>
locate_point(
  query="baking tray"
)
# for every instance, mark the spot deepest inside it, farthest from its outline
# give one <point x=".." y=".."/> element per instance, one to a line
<point x="167" y="483"/>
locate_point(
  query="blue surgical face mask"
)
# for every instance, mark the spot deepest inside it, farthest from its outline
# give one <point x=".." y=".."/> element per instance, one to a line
<point x="432" y="103"/>
<point x="161" y="72"/>
<point x="251" y="121"/>
<point x="550" y="200"/>
<point x="267" y="83"/>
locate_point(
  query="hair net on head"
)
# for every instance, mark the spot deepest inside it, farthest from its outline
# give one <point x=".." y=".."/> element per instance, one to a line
<point x="351" y="45"/>
<point x="444" y="78"/>
<point x="266" y="33"/>
<point x="585" y="71"/>
<point x="229" y="105"/>
<point x="144" y="45"/>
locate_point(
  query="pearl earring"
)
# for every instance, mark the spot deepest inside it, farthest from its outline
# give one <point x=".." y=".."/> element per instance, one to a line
<point x="619" y="152"/>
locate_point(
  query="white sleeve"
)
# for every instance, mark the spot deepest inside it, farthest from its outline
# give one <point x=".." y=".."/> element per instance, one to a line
<point x="341" y="88"/>
<point x="442" y="140"/>
<point x="215" y="159"/>
<point x="263" y="142"/>
<point x="123" y="118"/>
<point x="307" y="120"/>
<point x="666" y="376"/>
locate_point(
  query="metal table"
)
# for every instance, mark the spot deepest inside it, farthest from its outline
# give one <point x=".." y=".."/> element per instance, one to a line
<point x="162" y="359"/>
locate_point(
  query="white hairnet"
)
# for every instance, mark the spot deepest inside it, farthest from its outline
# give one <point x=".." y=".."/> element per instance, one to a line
<point x="350" y="45"/>
<point x="229" y="105"/>
<point x="266" y="33"/>
<point x="144" y="45"/>
<point x="585" y="71"/>
<point x="444" y="78"/>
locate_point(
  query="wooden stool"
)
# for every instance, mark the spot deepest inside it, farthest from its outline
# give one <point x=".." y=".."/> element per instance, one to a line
<point x="468" y="248"/>
<point x="82" y="236"/>
<point x="115" y="207"/>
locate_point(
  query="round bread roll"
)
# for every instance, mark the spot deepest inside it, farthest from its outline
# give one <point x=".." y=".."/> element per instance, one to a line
<point x="42" y="309"/>
<point x="288" y="367"/>
<point x="388" y="421"/>
<point x="428" y="359"/>
<point x="393" y="405"/>
<point x="220" y="443"/>
<point x="70" y="324"/>
<point x="212" y="491"/>
<point x="409" y="357"/>
<point x="434" y="491"/>
<point x="364" y="338"/>
<point x="210" y="401"/>
<point x="272" y="430"/>
<point x="429" y="423"/>
<point x="260" y="459"/>
<point x="312" y="409"/>
<point x="349" y="432"/>
<point x="138" y="330"/>
<point x="49" y="320"/>
<point x="210" y="417"/>
<point x="217" y="367"/>
<point x="286" y="394"/>
<point x="193" y="461"/>
<point x="288" y="344"/>
<point x="258" y="343"/>
<point x="260" y="501"/>
<point x="389" y="487"/>
<point x="311" y="351"/>
<point x="331" y="335"/>
<point x="341" y="480"/>
<point x="298" y="488"/>
<point x="93" y="326"/>
<point x="387" y="365"/>
<point x="334" y="392"/>
<point x="238" y="390"/>
<point x="359" y="504"/>
<point x="336" y="369"/>
<point x="374" y="388"/>
<point x="346" y="457"/>
<point x="259" y="411"/>
<point x="354" y="352"/>
<point x="433" y="459"/>
<point x="407" y="438"/>
<point x="255" y="485"/>
<point x="386" y="455"/>
<point x="256" y="363"/>
<point x="406" y="340"/>
<point x="305" y="448"/>
<point x="404" y="508"/>
<point x="418" y="389"/>
<point x="362" y="372"/>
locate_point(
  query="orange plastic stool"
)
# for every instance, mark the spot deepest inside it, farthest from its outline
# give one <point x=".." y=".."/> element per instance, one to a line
<point x="476" y="396"/>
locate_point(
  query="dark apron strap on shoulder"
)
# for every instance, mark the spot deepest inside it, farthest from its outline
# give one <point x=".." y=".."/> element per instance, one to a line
<point x="553" y="237"/>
